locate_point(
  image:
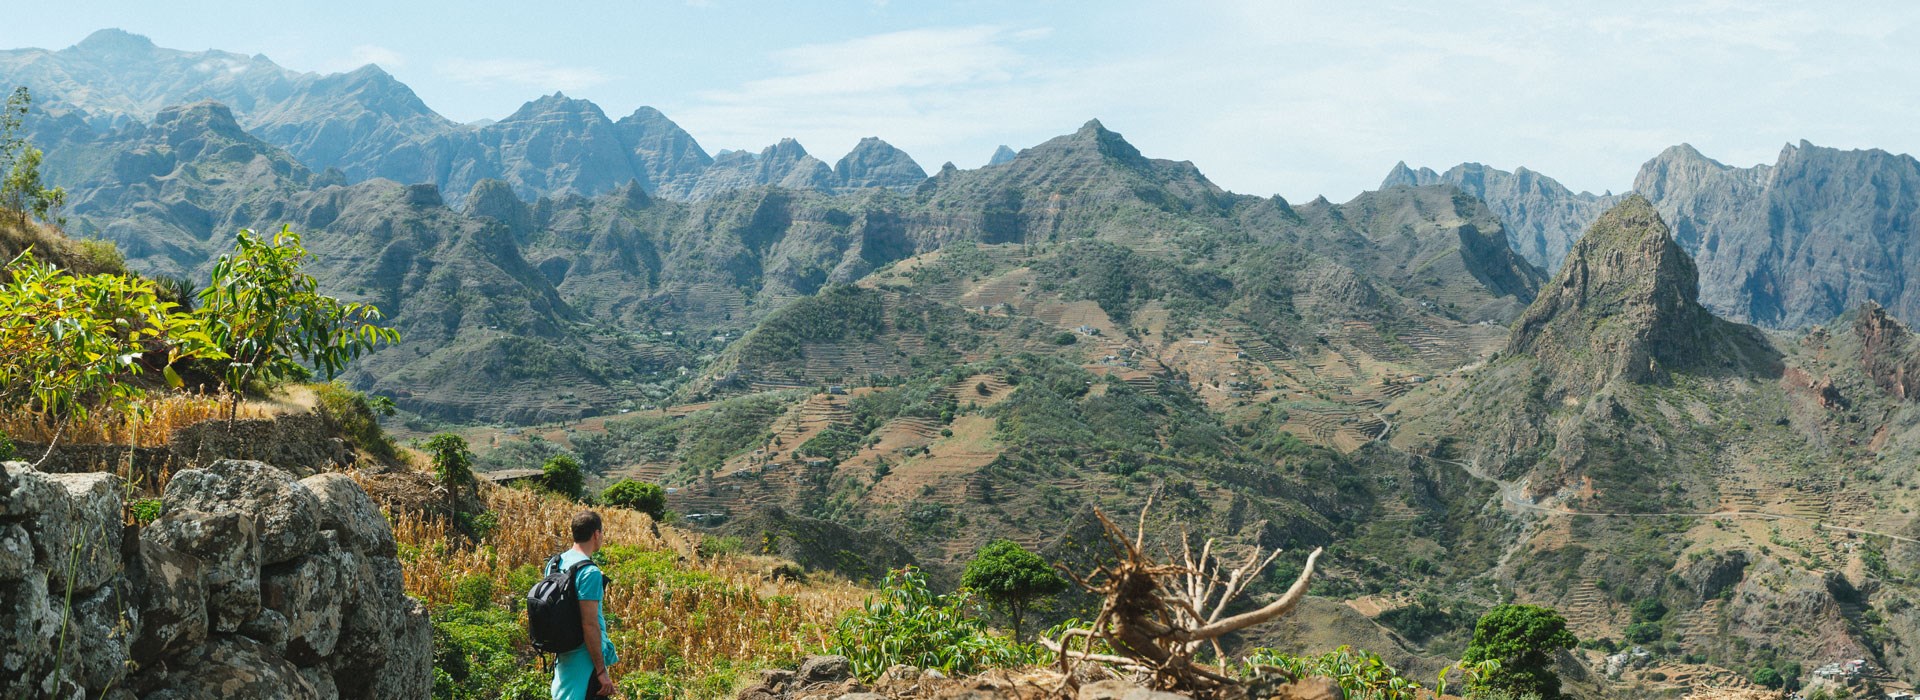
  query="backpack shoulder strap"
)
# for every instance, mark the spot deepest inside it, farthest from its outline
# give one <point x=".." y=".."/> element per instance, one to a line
<point x="553" y="564"/>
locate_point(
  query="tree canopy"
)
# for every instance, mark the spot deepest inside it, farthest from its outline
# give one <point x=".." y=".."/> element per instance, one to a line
<point x="1011" y="578"/>
<point x="1524" y="639"/>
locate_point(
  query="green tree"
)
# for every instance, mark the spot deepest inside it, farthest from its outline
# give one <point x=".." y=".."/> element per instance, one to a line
<point x="1766" y="676"/>
<point x="269" y="317"/>
<point x="1011" y="579"/>
<point x="452" y="461"/>
<point x="22" y="190"/>
<point x="69" y="343"/>
<point x="1524" y="639"/>
<point x="637" y="495"/>
<point x="562" y="475"/>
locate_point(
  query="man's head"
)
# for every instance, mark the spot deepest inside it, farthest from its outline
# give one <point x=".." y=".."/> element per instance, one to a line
<point x="587" y="532"/>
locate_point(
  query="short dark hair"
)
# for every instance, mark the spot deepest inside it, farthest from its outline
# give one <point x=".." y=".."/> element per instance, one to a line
<point x="584" y="525"/>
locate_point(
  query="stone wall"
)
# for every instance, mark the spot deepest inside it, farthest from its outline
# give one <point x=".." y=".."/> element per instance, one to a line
<point x="249" y="585"/>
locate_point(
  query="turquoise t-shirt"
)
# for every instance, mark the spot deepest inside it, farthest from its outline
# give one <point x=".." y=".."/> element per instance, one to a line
<point x="574" y="669"/>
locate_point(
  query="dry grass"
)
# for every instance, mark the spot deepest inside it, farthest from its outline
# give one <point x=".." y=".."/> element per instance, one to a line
<point x="165" y="415"/>
<point x="669" y="610"/>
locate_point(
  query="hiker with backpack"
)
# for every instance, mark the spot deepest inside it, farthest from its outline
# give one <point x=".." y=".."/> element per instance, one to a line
<point x="564" y="616"/>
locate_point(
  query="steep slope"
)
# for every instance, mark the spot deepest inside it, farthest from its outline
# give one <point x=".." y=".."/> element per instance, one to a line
<point x="1543" y="218"/>
<point x="785" y="164"/>
<point x="1001" y="155"/>
<point x="1797" y="242"/>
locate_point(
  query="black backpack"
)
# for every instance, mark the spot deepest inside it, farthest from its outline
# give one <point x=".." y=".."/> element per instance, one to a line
<point x="553" y="609"/>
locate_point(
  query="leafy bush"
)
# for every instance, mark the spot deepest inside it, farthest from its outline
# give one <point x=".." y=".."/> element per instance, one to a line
<point x="476" y="656"/>
<point x="1362" y="674"/>
<point x="910" y="624"/>
<point x="562" y="475"/>
<point x="354" y="415"/>
<point x="637" y="495"/>
<point x="145" y="510"/>
<point x="68" y="343"/>
<point x="834" y="443"/>
<point x="452" y="461"/>
<point x="6" y="448"/>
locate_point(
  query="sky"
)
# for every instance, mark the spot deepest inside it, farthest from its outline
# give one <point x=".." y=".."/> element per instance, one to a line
<point x="1299" y="99"/>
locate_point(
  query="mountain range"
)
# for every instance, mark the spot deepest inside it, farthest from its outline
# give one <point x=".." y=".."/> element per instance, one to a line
<point x="1683" y="415"/>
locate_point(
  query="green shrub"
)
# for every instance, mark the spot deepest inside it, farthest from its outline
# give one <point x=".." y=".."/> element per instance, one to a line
<point x="562" y="475"/>
<point x="145" y="510"/>
<point x="721" y="546"/>
<point x="909" y="624"/>
<point x="6" y="448"/>
<point x="1065" y="338"/>
<point x="637" y="495"/>
<point x="474" y="591"/>
<point x="1362" y="674"/>
<point x="354" y="416"/>
<point x="476" y="656"/>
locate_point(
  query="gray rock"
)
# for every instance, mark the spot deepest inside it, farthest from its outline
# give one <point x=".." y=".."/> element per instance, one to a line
<point x="173" y="601"/>
<point x="308" y="592"/>
<point x="816" y="669"/>
<point x="16" y="552"/>
<point x="322" y="682"/>
<point x="229" y="554"/>
<point x="288" y="515"/>
<point x="100" y="634"/>
<point x="26" y="622"/>
<point x="24" y="491"/>
<point x="345" y="507"/>
<point x="81" y="531"/>
<point x="876" y="163"/>
<point x="408" y="672"/>
<point x="237" y="667"/>
<point x="270" y="629"/>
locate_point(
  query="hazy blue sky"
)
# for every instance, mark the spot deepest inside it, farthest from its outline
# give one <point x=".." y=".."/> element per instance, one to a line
<point x="1294" y="98"/>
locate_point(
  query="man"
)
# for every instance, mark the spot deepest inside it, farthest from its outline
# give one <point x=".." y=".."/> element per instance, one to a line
<point x="581" y="674"/>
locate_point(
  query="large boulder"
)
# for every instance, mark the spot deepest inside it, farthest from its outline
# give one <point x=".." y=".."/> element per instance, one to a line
<point x="26" y="623"/>
<point x="287" y="513"/>
<point x="232" y="666"/>
<point x="345" y="508"/>
<point x="173" y="601"/>
<point x="229" y="552"/>
<point x="77" y="535"/>
<point x="23" y="491"/>
<point x="408" y="672"/>
<point x="308" y="591"/>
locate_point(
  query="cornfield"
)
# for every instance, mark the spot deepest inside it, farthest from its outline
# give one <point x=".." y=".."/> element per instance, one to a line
<point x="162" y="416"/>
<point x="669" y="610"/>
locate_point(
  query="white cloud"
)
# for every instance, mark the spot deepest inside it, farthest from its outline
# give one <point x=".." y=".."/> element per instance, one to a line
<point x="538" y="75"/>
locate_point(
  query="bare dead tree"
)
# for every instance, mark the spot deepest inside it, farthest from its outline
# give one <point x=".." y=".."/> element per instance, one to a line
<point x="1155" y="618"/>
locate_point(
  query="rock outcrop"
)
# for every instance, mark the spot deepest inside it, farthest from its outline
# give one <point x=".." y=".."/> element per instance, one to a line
<point x="1626" y="306"/>
<point x="250" y="584"/>
<point x="1001" y="155"/>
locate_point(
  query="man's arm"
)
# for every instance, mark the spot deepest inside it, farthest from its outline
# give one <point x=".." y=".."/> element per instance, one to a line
<point x="590" y="626"/>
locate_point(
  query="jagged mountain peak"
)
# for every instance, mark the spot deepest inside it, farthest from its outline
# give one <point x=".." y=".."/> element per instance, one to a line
<point x="557" y="103"/>
<point x="1001" y="155"/>
<point x="1624" y="306"/>
<point x="876" y="163"/>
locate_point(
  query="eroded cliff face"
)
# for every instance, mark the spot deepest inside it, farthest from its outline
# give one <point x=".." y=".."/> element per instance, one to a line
<point x="249" y="585"/>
